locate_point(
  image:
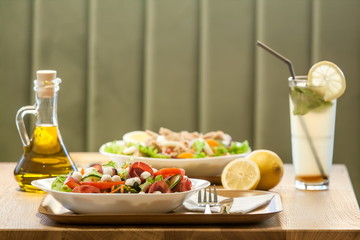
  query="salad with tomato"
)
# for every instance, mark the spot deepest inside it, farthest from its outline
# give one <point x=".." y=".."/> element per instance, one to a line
<point x="137" y="177"/>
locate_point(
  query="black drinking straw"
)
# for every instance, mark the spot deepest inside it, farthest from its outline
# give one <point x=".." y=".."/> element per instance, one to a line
<point x="292" y="71"/>
<point x="278" y="55"/>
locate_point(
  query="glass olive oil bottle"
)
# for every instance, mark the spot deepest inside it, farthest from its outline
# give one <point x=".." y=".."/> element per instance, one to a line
<point x="45" y="155"/>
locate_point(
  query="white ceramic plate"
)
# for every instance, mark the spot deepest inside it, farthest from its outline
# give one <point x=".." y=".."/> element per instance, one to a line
<point x="194" y="167"/>
<point x="115" y="203"/>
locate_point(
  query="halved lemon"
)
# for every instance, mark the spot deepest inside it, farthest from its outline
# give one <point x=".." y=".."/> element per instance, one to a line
<point x="240" y="174"/>
<point x="327" y="79"/>
<point x="135" y="137"/>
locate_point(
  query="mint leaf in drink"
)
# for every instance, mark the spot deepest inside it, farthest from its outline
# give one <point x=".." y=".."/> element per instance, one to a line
<point x="305" y="100"/>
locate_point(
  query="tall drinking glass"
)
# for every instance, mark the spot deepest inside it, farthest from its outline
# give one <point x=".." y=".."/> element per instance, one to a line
<point x="312" y="135"/>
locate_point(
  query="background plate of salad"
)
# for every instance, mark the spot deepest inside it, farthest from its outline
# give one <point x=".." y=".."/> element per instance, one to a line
<point x="202" y="155"/>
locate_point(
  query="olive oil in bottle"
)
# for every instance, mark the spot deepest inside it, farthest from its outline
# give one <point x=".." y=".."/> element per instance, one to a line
<point x="45" y="154"/>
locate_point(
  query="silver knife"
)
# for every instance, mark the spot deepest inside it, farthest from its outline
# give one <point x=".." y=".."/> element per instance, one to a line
<point x="226" y="205"/>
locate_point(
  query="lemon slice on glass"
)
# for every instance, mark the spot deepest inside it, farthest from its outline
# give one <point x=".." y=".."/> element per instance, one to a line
<point x="327" y="79"/>
<point x="240" y="174"/>
<point x="135" y="137"/>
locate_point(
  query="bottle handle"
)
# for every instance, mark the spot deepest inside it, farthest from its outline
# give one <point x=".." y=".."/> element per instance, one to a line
<point x="21" y="125"/>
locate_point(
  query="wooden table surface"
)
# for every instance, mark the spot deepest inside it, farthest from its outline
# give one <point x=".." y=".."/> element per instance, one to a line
<point x="331" y="214"/>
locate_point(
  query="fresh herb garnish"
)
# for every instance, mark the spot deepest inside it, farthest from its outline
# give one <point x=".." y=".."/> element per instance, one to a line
<point x="305" y="100"/>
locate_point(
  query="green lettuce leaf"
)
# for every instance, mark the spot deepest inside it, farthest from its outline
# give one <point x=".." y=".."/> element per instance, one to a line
<point x="110" y="164"/>
<point x="113" y="147"/>
<point x="199" y="146"/>
<point x="58" y="184"/>
<point x="148" y="182"/>
<point x="151" y="152"/>
<point x="159" y="178"/>
<point x="239" y="148"/>
<point x="220" y="150"/>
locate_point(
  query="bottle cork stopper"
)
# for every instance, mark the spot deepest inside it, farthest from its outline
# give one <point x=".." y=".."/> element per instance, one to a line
<point x="46" y="88"/>
<point x="46" y="75"/>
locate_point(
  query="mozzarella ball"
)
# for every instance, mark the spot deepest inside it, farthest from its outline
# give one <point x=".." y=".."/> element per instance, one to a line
<point x="77" y="176"/>
<point x="108" y="171"/>
<point x="131" y="181"/>
<point x="116" y="178"/>
<point x="145" y="175"/>
<point x="106" y="178"/>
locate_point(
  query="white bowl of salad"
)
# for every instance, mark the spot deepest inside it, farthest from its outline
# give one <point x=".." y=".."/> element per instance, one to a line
<point x="202" y="155"/>
<point x="130" y="188"/>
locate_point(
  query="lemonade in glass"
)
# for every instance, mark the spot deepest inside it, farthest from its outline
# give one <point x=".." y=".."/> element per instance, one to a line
<point x="312" y="118"/>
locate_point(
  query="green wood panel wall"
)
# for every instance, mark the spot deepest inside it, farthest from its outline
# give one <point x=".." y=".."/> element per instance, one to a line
<point x="190" y="64"/>
<point x="15" y="68"/>
<point x="171" y="63"/>
<point x="115" y="80"/>
<point x="227" y="67"/>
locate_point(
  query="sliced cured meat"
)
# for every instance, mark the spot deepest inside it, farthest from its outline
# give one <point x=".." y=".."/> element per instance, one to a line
<point x="184" y="185"/>
<point x="98" y="168"/>
<point x="160" y="186"/>
<point x="137" y="168"/>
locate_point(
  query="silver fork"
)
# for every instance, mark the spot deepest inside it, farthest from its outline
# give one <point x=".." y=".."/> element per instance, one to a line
<point x="208" y="200"/>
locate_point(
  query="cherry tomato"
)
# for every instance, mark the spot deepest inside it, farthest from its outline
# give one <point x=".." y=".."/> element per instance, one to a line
<point x="71" y="182"/>
<point x="137" y="168"/>
<point x="102" y="185"/>
<point x="86" y="189"/>
<point x="165" y="172"/>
